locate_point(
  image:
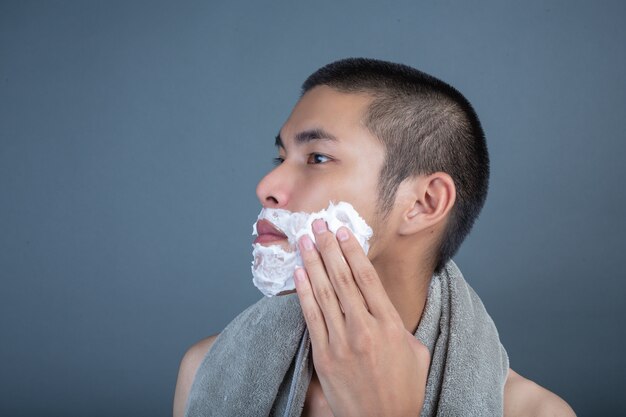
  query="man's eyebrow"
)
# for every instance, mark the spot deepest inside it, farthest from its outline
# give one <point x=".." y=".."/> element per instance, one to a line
<point x="306" y="136"/>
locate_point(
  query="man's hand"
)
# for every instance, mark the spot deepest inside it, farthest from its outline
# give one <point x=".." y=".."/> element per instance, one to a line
<point x="368" y="364"/>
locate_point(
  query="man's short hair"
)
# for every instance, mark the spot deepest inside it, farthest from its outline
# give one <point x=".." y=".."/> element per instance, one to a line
<point x="425" y="126"/>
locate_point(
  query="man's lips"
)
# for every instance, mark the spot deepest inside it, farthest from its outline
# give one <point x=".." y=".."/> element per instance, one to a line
<point x="268" y="233"/>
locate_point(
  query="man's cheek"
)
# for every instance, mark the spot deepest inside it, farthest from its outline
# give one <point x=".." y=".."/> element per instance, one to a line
<point x="273" y="266"/>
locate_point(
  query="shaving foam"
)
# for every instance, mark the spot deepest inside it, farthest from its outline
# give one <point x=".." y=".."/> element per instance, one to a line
<point x="273" y="267"/>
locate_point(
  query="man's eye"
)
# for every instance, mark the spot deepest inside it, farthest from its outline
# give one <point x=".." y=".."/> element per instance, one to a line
<point x="317" y="158"/>
<point x="277" y="161"/>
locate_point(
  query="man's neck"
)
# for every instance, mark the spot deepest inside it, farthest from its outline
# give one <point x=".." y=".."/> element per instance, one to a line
<point x="406" y="282"/>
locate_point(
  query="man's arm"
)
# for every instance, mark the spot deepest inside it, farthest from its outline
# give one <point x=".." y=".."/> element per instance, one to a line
<point x="187" y="372"/>
<point x="524" y="398"/>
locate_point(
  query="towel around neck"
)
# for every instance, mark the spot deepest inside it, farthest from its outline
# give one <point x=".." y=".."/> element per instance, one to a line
<point x="259" y="365"/>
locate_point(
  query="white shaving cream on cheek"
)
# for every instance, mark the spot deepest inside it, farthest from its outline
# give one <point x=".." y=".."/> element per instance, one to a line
<point x="273" y="267"/>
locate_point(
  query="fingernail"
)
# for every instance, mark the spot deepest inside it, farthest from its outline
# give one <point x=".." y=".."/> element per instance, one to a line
<point x="306" y="243"/>
<point x="319" y="226"/>
<point x="342" y="234"/>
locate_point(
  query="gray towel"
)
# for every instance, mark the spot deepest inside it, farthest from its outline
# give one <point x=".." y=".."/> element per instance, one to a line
<point x="260" y="364"/>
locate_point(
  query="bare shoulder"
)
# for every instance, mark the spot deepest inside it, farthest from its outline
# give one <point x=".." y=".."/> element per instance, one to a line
<point x="524" y="398"/>
<point x="187" y="371"/>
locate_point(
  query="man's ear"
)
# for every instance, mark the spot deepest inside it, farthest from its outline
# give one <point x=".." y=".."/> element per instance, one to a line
<point x="431" y="197"/>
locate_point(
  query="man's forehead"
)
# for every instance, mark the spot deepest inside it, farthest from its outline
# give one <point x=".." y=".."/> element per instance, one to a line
<point x="324" y="113"/>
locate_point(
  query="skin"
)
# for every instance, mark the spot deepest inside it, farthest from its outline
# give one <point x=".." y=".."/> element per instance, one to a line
<point x="362" y="312"/>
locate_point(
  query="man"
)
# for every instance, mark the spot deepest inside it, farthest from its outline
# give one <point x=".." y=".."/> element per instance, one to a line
<point x="408" y="152"/>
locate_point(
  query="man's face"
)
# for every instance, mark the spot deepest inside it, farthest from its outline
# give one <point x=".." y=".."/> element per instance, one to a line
<point x="327" y="155"/>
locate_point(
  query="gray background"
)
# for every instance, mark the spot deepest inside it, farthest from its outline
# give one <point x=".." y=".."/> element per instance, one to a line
<point x="132" y="136"/>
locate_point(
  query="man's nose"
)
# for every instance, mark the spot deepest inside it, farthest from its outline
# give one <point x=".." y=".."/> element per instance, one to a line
<point x="274" y="190"/>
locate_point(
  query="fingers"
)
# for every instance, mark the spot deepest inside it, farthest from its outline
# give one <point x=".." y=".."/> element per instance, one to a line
<point x="365" y="276"/>
<point x="321" y="288"/>
<point x="338" y="276"/>
<point x="311" y="311"/>
<point x="338" y="270"/>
